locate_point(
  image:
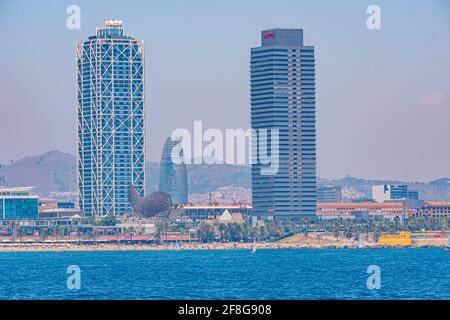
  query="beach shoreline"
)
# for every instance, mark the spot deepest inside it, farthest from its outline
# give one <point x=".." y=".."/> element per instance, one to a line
<point x="71" y="247"/>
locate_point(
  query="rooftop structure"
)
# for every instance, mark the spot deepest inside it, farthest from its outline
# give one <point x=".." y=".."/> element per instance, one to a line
<point x="202" y="212"/>
<point x="15" y="191"/>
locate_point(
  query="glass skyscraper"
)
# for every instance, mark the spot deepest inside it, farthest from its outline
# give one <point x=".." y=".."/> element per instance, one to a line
<point x="18" y="203"/>
<point x="111" y="120"/>
<point x="282" y="85"/>
<point x="173" y="176"/>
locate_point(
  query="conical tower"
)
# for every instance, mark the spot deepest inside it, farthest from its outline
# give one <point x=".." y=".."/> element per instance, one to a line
<point x="173" y="175"/>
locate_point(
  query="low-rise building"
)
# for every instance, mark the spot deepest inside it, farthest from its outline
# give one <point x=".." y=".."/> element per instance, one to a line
<point x="401" y="239"/>
<point x="362" y="210"/>
<point x="227" y="217"/>
<point x="213" y="211"/>
<point x="138" y="226"/>
<point x="18" y="203"/>
<point x="434" y="209"/>
<point x="59" y="213"/>
<point x="329" y="194"/>
<point x="386" y="192"/>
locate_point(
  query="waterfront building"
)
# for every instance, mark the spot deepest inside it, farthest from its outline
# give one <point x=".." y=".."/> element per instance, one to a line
<point x="401" y="239"/>
<point x="111" y="120"/>
<point x="18" y="203"/>
<point x="173" y="174"/>
<point x="228" y="217"/>
<point x="434" y="209"/>
<point x="58" y="213"/>
<point x="329" y="194"/>
<point x="282" y="82"/>
<point x="213" y="211"/>
<point x="363" y="210"/>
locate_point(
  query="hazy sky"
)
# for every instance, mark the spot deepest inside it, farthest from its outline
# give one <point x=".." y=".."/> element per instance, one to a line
<point x="383" y="96"/>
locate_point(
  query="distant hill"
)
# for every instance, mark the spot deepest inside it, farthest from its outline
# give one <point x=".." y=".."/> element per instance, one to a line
<point x="204" y="178"/>
<point x="56" y="171"/>
<point x="51" y="171"/>
<point x="436" y="190"/>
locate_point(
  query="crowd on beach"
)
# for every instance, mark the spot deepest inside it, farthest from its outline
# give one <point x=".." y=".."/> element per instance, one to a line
<point x="36" y="247"/>
<point x="140" y="247"/>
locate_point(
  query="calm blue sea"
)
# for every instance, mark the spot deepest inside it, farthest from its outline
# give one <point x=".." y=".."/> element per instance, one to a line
<point x="234" y="274"/>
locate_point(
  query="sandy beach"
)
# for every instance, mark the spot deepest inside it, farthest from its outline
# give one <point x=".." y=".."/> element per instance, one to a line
<point x="43" y="247"/>
<point x="122" y="247"/>
<point x="298" y="241"/>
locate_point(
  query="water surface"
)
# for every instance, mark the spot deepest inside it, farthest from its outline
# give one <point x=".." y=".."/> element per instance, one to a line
<point x="227" y="274"/>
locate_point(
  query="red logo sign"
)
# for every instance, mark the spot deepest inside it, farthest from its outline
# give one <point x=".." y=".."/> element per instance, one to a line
<point x="269" y="35"/>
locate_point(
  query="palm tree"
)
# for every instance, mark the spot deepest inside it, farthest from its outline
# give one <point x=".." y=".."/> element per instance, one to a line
<point x="335" y="228"/>
<point x="253" y="234"/>
<point x="206" y="232"/>
<point x="93" y="235"/>
<point x="58" y="232"/>
<point x="263" y="232"/>
<point x="245" y="231"/>
<point x="43" y="234"/>
<point x="377" y="231"/>
<point x="77" y="230"/>
<point x="12" y="226"/>
<point x="319" y="236"/>
<point x="222" y="232"/>
<point x="20" y="232"/>
<point x="305" y="226"/>
<point x="397" y="223"/>
<point x="161" y="229"/>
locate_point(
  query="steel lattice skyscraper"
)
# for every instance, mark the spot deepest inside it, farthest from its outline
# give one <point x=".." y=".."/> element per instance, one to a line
<point x="283" y="98"/>
<point x="111" y="120"/>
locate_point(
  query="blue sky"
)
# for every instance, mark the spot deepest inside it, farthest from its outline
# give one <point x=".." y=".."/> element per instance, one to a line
<point x="383" y="97"/>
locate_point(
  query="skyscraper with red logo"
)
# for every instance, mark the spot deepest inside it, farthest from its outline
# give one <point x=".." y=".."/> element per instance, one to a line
<point x="282" y="82"/>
